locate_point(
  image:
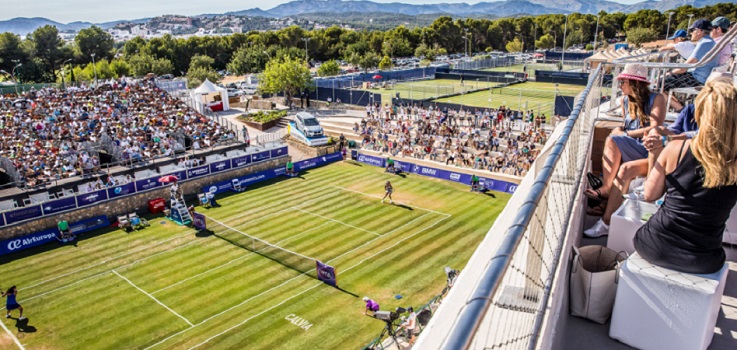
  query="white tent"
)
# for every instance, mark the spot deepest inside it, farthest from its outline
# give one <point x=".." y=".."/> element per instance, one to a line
<point x="211" y="95"/>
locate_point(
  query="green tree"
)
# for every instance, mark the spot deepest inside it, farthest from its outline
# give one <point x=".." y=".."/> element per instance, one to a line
<point x="385" y="63"/>
<point x="201" y="61"/>
<point x="142" y="64"/>
<point x="287" y="75"/>
<point x="329" y="68"/>
<point x="49" y="48"/>
<point x="197" y="75"/>
<point x="637" y="36"/>
<point x="514" y="46"/>
<point x="248" y="59"/>
<point x="11" y="49"/>
<point x="121" y="68"/>
<point x="545" y="42"/>
<point x="649" y="19"/>
<point x="94" y="40"/>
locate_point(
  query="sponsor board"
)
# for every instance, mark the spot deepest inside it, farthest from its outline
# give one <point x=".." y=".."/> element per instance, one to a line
<point x="199" y="222"/>
<point x="59" y="205"/>
<point x="281" y="151"/>
<point x="50" y="235"/>
<point x="225" y="186"/>
<point x="198" y="172"/>
<point x="219" y="166"/>
<point x="91" y="198"/>
<point x="2" y="220"/>
<point x="317" y="161"/>
<point x="257" y="157"/>
<point x="241" y="161"/>
<point x="147" y="184"/>
<point x="21" y="214"/>
<point x="326" y="273"/>
<point x="122" y="190"/>
<point x="495" y="185"/>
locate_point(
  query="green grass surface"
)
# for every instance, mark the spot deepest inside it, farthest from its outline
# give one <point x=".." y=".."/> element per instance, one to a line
<point x="530" y="68"/>
<point x="424" y="89"/>
<point x="167" y="287"/>
<point x="539" y="97"/>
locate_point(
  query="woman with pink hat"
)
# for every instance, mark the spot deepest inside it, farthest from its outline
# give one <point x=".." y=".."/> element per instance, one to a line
<point x="624" y="155"/>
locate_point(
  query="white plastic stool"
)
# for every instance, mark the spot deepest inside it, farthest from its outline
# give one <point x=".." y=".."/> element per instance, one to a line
<point x="659" y="308"/>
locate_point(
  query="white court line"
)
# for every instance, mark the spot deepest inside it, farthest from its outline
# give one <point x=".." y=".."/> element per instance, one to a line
<point x="318" y="284"/>
<point x="15" y="339"/>
<point x="234" y="260"/>
<point x="152" y="297"/>
<point x="107" y="261"/>
<point x="340" y="222"/>
<point x="379" y="197"/>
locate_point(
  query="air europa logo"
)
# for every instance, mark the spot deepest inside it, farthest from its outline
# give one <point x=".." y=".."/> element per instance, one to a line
<point x="16" y="244"/>
<point x="512" y="188"/>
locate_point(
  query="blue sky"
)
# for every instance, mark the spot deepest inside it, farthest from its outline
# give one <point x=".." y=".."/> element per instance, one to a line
<point x="98" y="11"/>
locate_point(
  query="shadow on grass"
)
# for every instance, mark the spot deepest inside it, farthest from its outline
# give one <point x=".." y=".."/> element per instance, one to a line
<point x="23" y="326"/>
<point x="303" y="265"/>
<point x="490" y="194"/>
<point x="403" y="206"/>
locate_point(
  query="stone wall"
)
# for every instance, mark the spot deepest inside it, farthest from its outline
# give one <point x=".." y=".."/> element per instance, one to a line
<point x="137" y="202"/>
<point x="310" y="151"/>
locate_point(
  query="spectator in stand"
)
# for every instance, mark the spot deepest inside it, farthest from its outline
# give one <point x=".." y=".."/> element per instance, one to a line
<point x="680" y="44"/>
<point x="625" y="157"/>
<point x="681" y="78"/>
<point x="719" y="27"/>
<point x="699" y="180"/>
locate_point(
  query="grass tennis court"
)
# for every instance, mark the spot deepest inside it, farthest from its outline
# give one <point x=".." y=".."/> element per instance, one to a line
<point x="539" y="97"/>
<point x="424" y="89"/>
<point x="168" y="287"/>
<point x="531" y="67"/>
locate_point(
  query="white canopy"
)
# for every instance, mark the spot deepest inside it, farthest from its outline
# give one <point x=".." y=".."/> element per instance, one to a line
<point x="208" y="87"/>
<point x="205" y="96"/>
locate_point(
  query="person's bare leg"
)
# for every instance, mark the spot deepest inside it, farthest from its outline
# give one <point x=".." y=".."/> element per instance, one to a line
<point x="611" y="161"/>
<point x="627" y="172"/>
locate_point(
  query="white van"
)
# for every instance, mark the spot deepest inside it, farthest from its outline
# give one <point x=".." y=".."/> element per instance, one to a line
<point x="308" y="124"/>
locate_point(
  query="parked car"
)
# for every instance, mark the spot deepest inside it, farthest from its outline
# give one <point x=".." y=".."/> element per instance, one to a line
<point x="308" y="124"/>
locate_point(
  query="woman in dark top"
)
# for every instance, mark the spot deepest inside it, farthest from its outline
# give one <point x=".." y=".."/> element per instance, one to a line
<point x="699" y="179"/>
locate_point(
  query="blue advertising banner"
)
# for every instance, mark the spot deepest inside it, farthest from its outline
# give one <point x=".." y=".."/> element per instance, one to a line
<point x="318" y="161"/>
<point x="2" y="220"/>
<point x="59" y="205"/>
<point x="326" y="273"/>
<point x="240" y="161"/>
<point x="50" y="235"/>
<point x="21" y="214"/>
<point x="147" y="184"/>
<point x="199" y="221"/>
<point x="371" y="160"/>
<point x="91" y="198"/>
<point x="122" y="190"/>
<point x="281" y="151"/>
<point x="257" y="157"/>
<point x="491" y="184"/>
<point x="219" y="166"/>
<point x="225" y="186"/>
<point x="197" y="172"/>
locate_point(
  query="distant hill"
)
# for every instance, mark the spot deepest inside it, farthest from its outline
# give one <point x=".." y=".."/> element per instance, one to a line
<point x="329" y="8"/>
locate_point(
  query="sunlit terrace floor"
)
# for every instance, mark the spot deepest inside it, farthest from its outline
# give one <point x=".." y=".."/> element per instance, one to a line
<point x="583" y="334"/>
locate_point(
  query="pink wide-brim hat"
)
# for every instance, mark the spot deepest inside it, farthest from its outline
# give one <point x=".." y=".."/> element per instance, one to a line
<point x="634" y="71"/>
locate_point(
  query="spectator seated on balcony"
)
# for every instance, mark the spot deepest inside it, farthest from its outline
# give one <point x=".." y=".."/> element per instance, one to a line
<point x="681" y="78"/>
<point x="699" y="180"/>
<point x="719" y="27"/>
<point x="680" y="44"/>
<point x="625" y="157"/>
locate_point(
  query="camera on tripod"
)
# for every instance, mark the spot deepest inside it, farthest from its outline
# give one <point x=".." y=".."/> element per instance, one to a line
<point x="389" y="316"/>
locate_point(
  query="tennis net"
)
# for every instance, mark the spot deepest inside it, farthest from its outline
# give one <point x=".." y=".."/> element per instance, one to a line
<point x="293" y="260"/>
